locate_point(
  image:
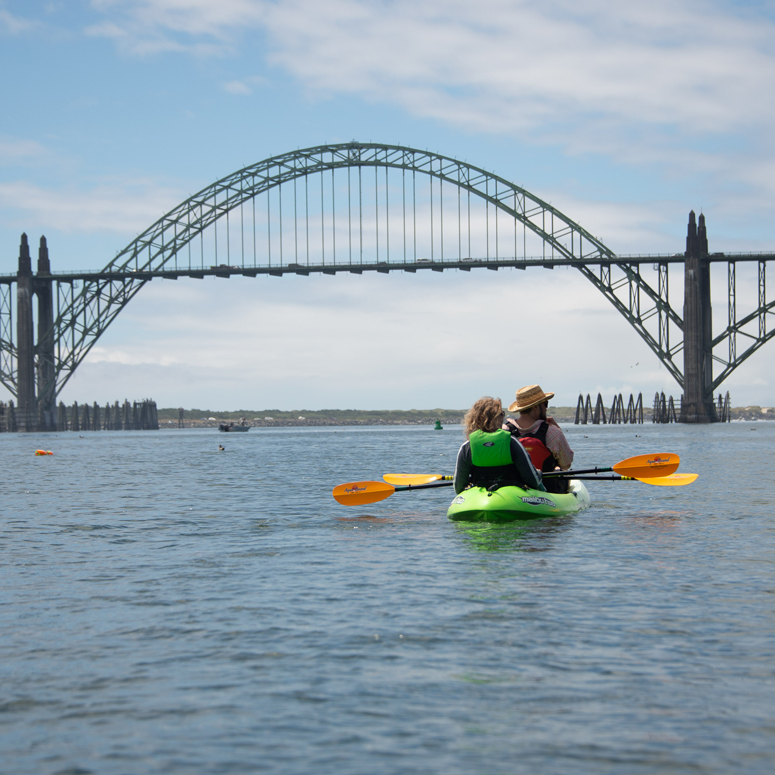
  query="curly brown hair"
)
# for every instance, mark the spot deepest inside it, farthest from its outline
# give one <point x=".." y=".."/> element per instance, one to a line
<point x="484" y="415"/>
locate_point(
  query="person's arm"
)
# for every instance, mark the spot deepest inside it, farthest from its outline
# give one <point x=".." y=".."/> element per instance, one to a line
<point x="524" y="464"/>
<point x="462" y="468"/>
<point x="559" y="447"/>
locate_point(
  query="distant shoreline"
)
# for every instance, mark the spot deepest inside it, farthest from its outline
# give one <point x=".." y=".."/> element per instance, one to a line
<point x="198" y="418"/>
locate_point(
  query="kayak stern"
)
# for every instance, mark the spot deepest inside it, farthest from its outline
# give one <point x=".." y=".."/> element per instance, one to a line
<point x="508" y="504"/>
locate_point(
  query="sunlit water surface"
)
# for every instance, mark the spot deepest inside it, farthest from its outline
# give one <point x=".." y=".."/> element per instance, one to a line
<point x="169" y="608"/>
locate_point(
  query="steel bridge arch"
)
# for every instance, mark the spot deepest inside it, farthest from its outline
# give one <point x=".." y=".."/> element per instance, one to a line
<point x="84" y="317"/>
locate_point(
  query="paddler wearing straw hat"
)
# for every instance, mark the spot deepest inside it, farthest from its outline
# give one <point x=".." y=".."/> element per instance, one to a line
<point x="540" y="434"/>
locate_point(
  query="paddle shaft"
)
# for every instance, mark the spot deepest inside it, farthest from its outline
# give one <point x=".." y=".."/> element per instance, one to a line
<point x="612" y="478"/>
<point x="589" y="478"/>
<point x="422" y="486"/>
<point x="552" y="474"/>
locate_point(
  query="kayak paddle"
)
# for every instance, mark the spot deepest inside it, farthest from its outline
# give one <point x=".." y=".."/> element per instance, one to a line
<point x="361" y="493"/>
<point x="638" y="467"/>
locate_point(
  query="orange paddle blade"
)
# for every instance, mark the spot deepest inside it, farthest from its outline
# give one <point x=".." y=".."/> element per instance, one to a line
<point x="649" y="466"/>
<point x="674" y="480"/>
<point x="360" y="493"/>
<point x="414" y="478"/>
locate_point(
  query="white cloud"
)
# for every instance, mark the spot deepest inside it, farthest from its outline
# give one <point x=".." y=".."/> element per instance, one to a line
<point x="16" y="151"/>
<point x="680" y="84"/>
<point x="239" y="88"/>
<point x="592" y="79"/>
<point x="245" y="86"/>
<point x="500" y="65"/>
<point x="14" y="24"/>
<point x="626" y="227"/>
<point x="201" y="27"/>
<point x="497" y="65"/>
<point x="124" y="207"/>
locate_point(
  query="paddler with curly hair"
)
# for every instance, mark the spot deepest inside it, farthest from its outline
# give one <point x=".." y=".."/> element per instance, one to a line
<point x="492" y="457"/>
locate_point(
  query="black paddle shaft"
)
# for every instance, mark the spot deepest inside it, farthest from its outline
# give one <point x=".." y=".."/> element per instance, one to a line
<point x="422" y="486"/>
<point x="573" y="474"/>
<point x="612" y="478"/>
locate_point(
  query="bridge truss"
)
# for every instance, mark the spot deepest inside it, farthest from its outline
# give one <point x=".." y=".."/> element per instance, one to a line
<point x="360" y="207"/>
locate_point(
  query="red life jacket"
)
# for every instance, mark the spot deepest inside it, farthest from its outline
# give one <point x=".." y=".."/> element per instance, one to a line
<point x="535" y="444"/>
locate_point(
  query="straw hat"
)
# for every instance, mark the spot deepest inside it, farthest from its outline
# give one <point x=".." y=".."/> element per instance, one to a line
<point x="529" y="396"/>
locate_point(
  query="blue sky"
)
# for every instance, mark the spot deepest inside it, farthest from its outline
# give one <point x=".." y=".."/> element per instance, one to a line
<point x="625" y="119"/>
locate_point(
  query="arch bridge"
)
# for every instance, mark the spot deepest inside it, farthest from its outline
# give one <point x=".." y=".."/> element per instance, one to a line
<point x="368" y="207"/>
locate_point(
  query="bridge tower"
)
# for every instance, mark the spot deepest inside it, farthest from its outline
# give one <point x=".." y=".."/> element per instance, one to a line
<point x="46" y="366"/>
<point x="27" y="410"/>
<point x="697" y="404"/>
<point x="36" y="407"/>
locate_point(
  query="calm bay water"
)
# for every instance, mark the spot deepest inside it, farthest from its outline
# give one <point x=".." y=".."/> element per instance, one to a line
<point x="168" y="608"/>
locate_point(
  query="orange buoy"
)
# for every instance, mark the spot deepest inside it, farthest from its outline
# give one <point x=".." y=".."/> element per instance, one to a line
<point x="43" y="452"/>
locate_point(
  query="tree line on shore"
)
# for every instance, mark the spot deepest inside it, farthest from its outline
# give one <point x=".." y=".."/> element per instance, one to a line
<point x="268" y="417"/>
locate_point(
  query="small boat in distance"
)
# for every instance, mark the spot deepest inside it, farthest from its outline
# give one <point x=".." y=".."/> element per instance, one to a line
<point x="230" y="427"/>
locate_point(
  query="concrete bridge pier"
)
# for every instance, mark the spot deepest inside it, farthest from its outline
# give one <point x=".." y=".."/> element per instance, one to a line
<point x="27" y="408"/>
<point x="697" y="406"/>
<point x="36" y="394"/>
<point x="44" y="290"/>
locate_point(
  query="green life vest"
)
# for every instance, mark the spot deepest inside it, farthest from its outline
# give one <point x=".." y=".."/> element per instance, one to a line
<point x="491" y="463"/>
<point x="490" y="449"/>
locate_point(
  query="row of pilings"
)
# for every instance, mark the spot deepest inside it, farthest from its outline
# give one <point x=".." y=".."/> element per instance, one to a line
<point x="618" y="414"/>
<point x="135" y="416"/>
<point x="664" y="410"/>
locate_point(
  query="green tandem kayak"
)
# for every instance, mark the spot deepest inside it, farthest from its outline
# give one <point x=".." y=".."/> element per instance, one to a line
<point x="508" y="504"/>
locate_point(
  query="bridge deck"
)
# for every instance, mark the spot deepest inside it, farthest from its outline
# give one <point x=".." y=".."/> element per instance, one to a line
<point x="436" y="265"/>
